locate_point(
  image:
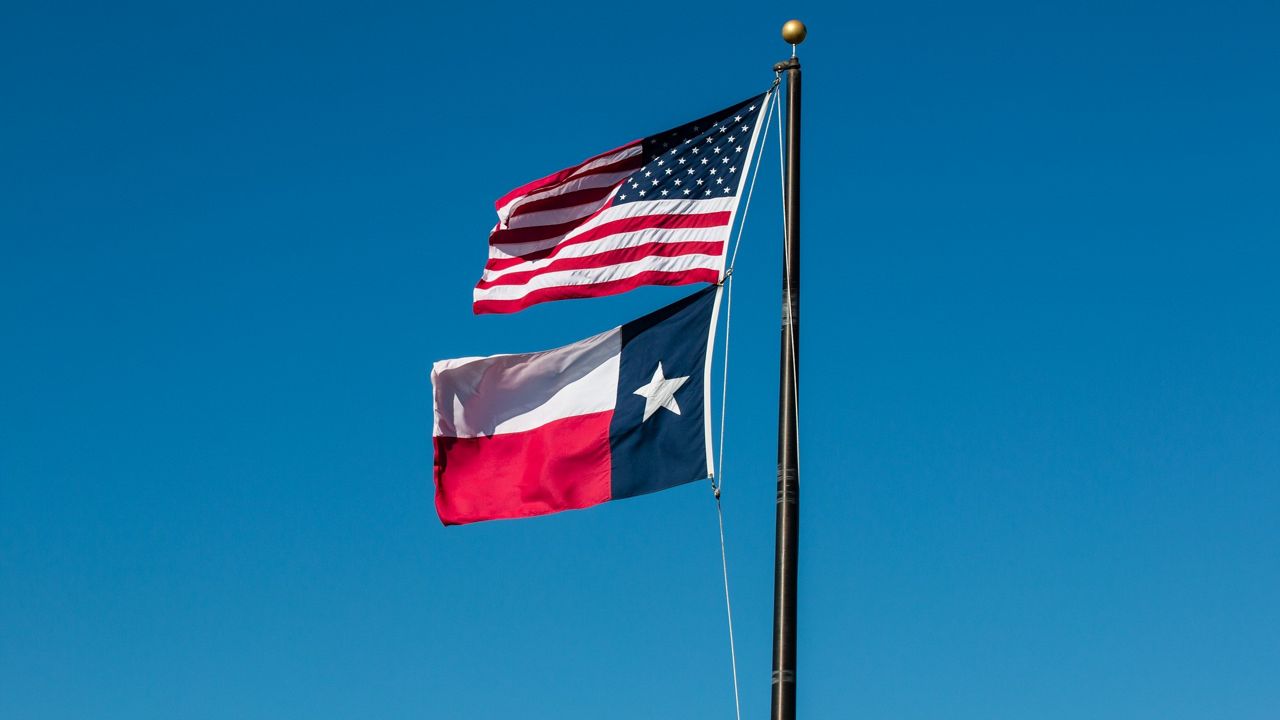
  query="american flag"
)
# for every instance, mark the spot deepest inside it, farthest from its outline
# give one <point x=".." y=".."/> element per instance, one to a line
<point x="655" y="211"/>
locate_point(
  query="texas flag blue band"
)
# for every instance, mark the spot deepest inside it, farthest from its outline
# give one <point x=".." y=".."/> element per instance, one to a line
<point x="620" y="414"/>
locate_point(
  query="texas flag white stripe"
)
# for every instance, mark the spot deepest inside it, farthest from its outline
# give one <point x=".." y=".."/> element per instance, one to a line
<point x="534" y="388"/>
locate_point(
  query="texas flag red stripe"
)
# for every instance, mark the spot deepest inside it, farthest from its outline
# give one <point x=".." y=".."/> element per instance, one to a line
<point x="563" y="465"/>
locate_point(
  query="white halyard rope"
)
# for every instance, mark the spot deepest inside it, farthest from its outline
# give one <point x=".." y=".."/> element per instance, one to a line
<point x="718" y="480"/>
<point x="728" y="608"/>
<point x="728" y="313"/>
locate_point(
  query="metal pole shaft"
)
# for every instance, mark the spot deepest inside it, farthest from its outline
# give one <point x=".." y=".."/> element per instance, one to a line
<point x="787" y="541"/>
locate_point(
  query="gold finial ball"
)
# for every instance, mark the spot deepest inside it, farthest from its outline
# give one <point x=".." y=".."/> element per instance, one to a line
<point x="793" y="31"/>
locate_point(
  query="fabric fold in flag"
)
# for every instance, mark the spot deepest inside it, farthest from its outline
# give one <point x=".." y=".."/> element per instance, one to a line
<point x="619" y="414"/>
<point x="656" y="211"/>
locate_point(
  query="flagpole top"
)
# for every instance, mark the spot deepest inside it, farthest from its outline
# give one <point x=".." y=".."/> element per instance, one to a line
<point x="794" y="32"/>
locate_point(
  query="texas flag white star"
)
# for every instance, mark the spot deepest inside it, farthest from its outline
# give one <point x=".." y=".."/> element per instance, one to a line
<point x="660" y="392"/>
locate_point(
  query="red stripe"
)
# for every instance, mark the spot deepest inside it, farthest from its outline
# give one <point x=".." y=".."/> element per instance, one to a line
<point x="610" y="257"/>
<point x="563" y="465"/>
<point x="556" y="177"/>
<point x="501" y="236"/>
<point x="559" y="202"/>
<point x="616" y="227"/>
<point x="613" y="287"/>
<point x="551" y="196"/>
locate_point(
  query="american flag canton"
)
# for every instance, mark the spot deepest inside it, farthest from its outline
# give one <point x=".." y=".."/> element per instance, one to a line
<point x="655" y="211"/>
<point x="704" y="158"/>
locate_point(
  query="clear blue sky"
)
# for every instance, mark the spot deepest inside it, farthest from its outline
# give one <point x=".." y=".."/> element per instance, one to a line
<point x="1041" y="395"/>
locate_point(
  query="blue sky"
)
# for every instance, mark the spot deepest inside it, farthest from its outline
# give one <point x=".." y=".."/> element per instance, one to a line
<point x="1041" y="405"/>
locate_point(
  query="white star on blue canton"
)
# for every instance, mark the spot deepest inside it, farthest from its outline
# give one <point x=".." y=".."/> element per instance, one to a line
<point x="660" y="393"/>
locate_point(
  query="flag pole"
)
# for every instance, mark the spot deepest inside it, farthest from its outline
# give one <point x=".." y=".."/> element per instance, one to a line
<point x="786" y="543"/>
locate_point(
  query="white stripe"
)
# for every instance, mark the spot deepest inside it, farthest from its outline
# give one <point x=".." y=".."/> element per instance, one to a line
<point x="618" y="212"/>
<point x="591" y="276"/>
<point x="480" y="397"/>
<point x="505" y="211"/>
<point x="614" y="242"/>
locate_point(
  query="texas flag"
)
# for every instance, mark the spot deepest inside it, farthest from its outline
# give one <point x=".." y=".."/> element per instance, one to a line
<point x="620" y="414"/>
